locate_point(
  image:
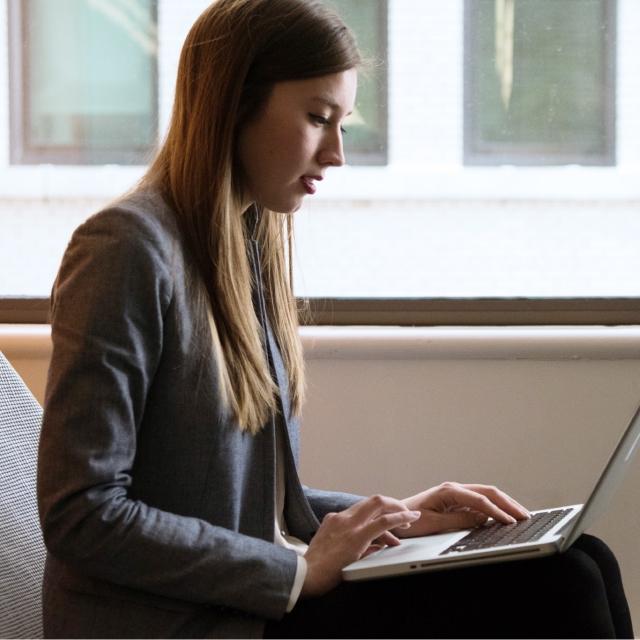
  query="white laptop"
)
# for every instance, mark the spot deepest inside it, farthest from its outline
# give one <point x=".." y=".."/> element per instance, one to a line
<point x="548" y="531"/>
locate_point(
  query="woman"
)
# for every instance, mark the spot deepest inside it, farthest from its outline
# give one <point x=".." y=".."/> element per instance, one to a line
<point x="168" y="490"/>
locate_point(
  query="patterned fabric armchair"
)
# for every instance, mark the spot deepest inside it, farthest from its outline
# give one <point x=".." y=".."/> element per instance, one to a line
<point x="22" y="551"/>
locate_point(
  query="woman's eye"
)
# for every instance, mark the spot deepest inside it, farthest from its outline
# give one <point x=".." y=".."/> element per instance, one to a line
<point x="319" y="119"/>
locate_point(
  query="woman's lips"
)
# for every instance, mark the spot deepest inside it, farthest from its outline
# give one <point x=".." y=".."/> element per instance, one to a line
<point x="309" y="184"/>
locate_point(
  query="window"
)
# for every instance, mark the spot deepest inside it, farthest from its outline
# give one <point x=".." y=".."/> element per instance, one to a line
<point x="366" y="139"/>
<point x="539" y="78"/>
<point x="83" y="81"/>
<point x="474" y="213"/>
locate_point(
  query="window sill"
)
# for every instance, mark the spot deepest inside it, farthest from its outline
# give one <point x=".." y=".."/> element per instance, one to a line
<point x="413" y="343"/>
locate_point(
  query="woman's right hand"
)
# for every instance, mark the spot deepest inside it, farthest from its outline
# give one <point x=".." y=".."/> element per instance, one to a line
<point x="346" y="537"/>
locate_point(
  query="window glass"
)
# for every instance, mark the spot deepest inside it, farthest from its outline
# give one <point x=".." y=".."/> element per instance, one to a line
<point x="431" y="222"/>
<point x="538" y="78"/>
<point x="365" y="140"/>
<point x="89" y="78"/>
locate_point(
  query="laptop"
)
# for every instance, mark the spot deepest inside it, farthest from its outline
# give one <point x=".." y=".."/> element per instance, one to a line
<point x="548" y="531"/>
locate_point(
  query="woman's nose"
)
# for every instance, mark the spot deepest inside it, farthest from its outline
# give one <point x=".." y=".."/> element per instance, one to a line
<point x="332" y="152"/>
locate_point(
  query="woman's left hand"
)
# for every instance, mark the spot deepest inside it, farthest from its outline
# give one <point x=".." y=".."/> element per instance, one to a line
<point x="452" y="505"/>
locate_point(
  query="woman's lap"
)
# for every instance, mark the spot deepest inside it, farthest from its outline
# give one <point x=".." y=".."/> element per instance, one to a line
<point x="557" y="596"/>
<point x="612" y="577"/>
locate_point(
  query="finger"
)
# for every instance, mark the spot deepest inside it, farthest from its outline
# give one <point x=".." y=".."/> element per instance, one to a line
<point x="502" y="499"/>
<point x="374" y="506"/>
<point x="388" y="539"/>
<point x="378" y="526"/>
<point x="479" y="502"/>
<point x="372" y="549"/>
<point x="451" y="520"/>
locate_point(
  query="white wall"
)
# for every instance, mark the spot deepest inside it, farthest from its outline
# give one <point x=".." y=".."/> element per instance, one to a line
<point x="534" y="411"/>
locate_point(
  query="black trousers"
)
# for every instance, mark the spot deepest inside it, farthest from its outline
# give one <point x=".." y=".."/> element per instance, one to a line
<point x="577" y="594"/>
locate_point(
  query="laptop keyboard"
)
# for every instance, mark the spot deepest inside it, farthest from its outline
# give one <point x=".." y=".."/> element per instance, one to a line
<point x="495" y="534"/>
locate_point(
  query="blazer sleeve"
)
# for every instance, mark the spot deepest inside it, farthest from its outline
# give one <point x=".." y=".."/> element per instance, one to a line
<point x="324" y="502"/>
<point x="112" y="292"/>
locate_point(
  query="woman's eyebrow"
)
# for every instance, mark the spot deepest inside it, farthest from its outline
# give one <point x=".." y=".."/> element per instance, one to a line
<point x="329" y="103"/>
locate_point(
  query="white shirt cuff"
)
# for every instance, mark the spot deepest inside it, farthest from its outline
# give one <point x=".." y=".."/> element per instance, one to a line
<point x="301" y="574"/>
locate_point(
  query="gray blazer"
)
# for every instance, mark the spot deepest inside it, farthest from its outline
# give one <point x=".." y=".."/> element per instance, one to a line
<point x="157" y="511"/>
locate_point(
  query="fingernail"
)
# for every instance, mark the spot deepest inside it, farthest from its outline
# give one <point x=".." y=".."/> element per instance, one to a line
<point x="417" y="514"/>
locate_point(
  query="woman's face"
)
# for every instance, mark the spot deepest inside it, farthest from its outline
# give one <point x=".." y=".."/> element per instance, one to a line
<point x="288" y="146"/>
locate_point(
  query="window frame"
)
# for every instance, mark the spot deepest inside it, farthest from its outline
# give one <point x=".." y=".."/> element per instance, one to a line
<point x="403" y="312"/>
<point x="380" y="157"/>
<point x="21" y="152"/>
<point x="416" y="312"/>
<point x="492" y="152"/>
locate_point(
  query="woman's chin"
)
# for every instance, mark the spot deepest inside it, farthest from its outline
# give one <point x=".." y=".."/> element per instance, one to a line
<point x="283" y="206"/>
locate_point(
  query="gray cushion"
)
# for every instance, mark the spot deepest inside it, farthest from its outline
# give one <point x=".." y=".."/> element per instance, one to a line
<point x="22" y="551"/>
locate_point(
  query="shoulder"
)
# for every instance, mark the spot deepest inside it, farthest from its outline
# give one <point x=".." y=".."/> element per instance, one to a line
<point x="132" y="244"/>
<point x="141" y="221"/>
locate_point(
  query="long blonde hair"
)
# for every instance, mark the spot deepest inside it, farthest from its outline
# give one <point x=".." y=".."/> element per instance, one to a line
<point x="234" y="54"/>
